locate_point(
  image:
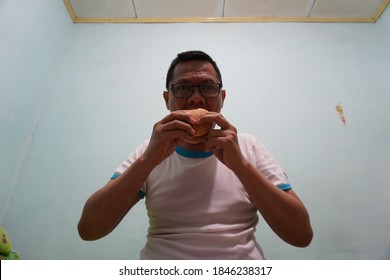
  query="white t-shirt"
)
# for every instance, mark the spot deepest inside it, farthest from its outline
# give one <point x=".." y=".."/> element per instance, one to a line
<point x="198" y="208"/>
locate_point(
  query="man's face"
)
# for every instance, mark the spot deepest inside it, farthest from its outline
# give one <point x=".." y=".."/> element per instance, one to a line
<point x="194" y="72"/>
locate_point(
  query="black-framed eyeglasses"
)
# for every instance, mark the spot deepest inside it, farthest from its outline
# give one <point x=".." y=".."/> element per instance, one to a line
<point x="185" y="90"/>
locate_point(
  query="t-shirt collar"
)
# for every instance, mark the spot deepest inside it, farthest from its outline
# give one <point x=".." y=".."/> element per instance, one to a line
<point x="192" y="154"/>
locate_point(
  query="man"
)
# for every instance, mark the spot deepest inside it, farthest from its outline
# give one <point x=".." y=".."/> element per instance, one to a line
<point x="202" y="199"/>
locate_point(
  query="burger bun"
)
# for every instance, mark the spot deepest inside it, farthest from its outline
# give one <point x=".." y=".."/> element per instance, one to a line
<point x="202" y="130"/>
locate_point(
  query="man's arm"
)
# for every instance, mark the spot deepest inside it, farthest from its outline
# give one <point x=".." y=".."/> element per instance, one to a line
<point x="104" y="210"/>
<point x="282" y="210"/>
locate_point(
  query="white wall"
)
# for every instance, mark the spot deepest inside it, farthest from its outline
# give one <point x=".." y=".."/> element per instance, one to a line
<point x="283" y="82"/>
<point x="32" y="38"/>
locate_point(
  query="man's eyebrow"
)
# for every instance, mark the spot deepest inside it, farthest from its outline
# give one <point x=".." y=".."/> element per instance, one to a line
<point x="191" y="81"/>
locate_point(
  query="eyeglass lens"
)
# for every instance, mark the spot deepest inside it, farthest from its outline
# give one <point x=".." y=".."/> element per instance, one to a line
<point x="186" y="90"/>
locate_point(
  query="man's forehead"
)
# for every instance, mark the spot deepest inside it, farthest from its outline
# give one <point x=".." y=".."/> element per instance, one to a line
<point x="194" y="68"/>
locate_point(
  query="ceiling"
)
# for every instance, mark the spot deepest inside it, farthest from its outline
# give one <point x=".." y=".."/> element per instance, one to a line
<point x="133" y="11"/>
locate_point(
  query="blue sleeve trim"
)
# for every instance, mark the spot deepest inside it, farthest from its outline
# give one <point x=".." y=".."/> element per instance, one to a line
<point x="141" y="194"/>
<point x="115" y="175"/>
<point x="285" y="187"/>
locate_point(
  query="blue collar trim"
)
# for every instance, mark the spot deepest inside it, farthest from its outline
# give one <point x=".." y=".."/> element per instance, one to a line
<point x="192" y="154"/>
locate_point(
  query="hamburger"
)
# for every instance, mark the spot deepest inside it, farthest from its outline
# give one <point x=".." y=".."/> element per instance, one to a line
<point x="202" y="130"/>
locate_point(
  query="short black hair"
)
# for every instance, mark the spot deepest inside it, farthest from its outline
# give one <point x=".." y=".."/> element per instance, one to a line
<point x="191" y="56"/>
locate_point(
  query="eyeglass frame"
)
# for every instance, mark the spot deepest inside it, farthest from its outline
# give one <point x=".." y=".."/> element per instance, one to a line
<point x="194" y="86"/>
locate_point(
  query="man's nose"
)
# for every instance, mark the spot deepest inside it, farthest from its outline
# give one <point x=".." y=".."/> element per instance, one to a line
<point x="196" y="96"/>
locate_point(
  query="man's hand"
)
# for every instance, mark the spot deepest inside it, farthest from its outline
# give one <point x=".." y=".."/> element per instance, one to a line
<point x="224" y="141"/>
<point x="166" y="133"/>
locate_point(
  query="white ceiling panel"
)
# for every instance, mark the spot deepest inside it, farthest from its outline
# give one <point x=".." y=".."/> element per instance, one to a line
<point x="266" y="8"/>
<point x="129" y="11"/>
<point x="346" y="8"/>
<point x="178" y="8"/>
<point x="103" y="8"/>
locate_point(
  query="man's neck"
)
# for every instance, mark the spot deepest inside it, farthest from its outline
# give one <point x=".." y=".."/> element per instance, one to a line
<point x="192" y="147"/>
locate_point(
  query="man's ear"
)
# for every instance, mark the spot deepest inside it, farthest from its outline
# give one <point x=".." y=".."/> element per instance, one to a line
<point x="166" y="98"/>
<point x="223" y="94"/>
